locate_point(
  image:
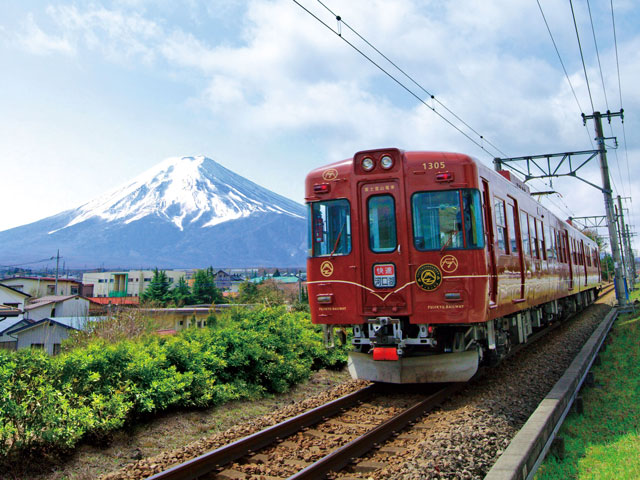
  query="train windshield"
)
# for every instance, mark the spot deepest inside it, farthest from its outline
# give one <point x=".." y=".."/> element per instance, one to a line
<point x="330" y="228"/>
<point x="447" y="219"/>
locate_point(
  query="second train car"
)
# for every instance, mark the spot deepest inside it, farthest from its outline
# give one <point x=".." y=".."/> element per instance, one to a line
<point x="436" y="263"/>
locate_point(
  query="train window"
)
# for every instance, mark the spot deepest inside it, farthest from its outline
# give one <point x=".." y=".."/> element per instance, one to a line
<point x="541" y="240"/>
<point x="382" y="223"/>
<point x="511" y="223"/>
<point x="501" y="224"/>
<point x="548" y="248"/>
<point x="551" y="247"/>
<point x="524" y="233"/>
<point x="473" y="232"/>
<point x="533" y="238"/>
<point x="330" y="228"/>
<point x="438" y="220"/>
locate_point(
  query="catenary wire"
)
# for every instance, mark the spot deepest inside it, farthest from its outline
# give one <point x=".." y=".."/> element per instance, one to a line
<point x="402" y="85"/>
<point x="411" y="79"/>
<point x="555" y="46"/>
<point x="584" y="67"/>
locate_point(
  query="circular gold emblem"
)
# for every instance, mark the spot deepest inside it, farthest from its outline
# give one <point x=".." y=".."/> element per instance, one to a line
<point x="428" y="277"/>
<point x="326" y="269"/>
<point x="330" y="174"/>
<point x="449" y="264"/>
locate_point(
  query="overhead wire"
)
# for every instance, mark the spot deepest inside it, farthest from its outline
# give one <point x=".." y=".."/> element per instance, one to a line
<point x="392" y="77"/>
<point x="584" y="67"/>
<point x="566" y="74"/>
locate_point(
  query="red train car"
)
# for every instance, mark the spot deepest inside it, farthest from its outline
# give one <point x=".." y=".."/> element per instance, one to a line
<point x="437" y="263"/>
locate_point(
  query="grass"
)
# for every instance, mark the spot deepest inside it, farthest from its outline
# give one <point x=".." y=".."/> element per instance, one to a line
<point x="604" y="442"/>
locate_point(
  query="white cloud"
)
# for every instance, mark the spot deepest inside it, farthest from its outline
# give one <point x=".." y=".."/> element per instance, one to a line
<point x="38" y="42"/>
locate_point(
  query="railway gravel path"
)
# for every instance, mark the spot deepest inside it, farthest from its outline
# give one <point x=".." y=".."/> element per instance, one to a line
<point x="460" y="440"/>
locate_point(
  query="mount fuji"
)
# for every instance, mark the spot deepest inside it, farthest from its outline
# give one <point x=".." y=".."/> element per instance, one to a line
<point x="184" y="212"/>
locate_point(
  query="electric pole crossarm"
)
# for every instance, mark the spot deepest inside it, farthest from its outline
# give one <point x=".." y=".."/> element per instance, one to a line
<point x="566" y="160"/>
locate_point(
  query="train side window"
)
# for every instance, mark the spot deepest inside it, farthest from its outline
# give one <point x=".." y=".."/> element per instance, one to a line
<point x="330" y="228"/>
<point x="551" y="246"/>
<point x="524" y="233"/>
<point x="548" y="248"/>
<point x="501" y="224"/>
<point x="533" y="238"/>
<point x="542" y="239"/>
<point x="382" y="223"/>
<point x="511" y="224"/>
<point x="559" y="247"/>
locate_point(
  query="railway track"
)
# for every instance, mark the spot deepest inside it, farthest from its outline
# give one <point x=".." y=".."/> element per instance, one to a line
<point x="320" y="441"/>
<point x="327" y="438"/>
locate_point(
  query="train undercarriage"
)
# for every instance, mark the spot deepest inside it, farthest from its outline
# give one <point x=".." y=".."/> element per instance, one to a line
<point x="393" y="350"/>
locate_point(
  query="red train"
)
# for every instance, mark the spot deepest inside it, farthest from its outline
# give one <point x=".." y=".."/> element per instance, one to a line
<point x="437" y="263"/>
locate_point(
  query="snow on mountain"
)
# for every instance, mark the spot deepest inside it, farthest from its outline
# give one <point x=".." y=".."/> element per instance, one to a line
<point x="194" y="190"/>
<point x="184" y="212"/>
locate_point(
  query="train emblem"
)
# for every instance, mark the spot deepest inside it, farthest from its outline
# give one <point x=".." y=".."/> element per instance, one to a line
<point x="326" y="269"/>
<point x="428" y="277"/>
<point x="449" y="264"/>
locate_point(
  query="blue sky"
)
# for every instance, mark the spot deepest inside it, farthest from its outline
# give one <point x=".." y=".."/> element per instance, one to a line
<point x="94" y="93"/>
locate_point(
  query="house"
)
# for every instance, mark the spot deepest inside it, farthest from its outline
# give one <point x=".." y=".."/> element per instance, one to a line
<point x="13" y="299"/>
<point x="126" y="283"/>
<point x="227" y="281"/>
<point x="9" y="342"/>
<point x="41" y="286"/>
<point x="47" y="333"/>
<point x="57" y="306"/>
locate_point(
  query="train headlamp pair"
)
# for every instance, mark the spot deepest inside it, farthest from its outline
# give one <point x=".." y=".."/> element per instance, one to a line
<point x="368" y="164"/>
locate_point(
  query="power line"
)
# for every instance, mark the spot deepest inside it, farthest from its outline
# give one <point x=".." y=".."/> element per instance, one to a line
<point x="28" y="263"/>
<point x="402" y="85"/>
<point x="407" y="75"/>
<point x="555" y="46"/>
<point x="584" y="67"/>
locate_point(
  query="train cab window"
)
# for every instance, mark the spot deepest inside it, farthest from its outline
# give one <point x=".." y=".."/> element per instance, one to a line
<point x="382" y="223"/>
<point x="524" y="233"/>
<point x="447" y="219"/>
<point x="330" y="228"/>
<point x="511" y="223"/>
<point x="501" y="224"/>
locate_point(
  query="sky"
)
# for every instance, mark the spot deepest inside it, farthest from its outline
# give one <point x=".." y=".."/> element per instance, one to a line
<point x="94" y="93"/>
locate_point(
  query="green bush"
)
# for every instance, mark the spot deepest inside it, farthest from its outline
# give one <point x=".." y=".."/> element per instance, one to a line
<point x="95" y="389"/>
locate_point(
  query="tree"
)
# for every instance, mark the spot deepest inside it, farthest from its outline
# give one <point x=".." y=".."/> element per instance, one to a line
<point x="247" y="292"/>
<point x="276" y="273"/>
<point x="181" y="294"/>
<point x="158" y="289"/>
<point x="204" y="288"/>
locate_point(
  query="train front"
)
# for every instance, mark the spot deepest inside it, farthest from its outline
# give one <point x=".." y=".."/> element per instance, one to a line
<point x="397" y="260"/>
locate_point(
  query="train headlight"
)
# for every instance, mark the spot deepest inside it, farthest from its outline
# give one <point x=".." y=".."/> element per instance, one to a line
<point x="367" y="164"/>
<point x="386" y="162"/>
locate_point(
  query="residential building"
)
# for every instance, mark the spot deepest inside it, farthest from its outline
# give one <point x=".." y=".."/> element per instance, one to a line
<point x="131" y="283"/>
<point x="47" y="333"/>
<point x="8" y="342"/>
<point x="57" y="306"/>
<point x="41" y="286"/>
<point x="13" y="299"/>
<point x="227" y="281"/>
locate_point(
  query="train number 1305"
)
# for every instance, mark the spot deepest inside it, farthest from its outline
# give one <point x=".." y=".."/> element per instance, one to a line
<point x="433" y="165"/>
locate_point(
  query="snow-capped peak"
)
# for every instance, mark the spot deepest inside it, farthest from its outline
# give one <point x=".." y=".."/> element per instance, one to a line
<point x="186" y="191"/>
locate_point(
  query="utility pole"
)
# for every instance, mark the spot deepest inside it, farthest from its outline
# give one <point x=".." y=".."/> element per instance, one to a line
<point x="625" y="245"/>
<point x="633" y="257"/>
<point x="608" y="201"/>
<point x="625" y="275"/>
<point x="55" y="291"/>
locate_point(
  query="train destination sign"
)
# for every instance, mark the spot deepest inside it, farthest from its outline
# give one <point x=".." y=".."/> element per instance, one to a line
<point x="384" y="275"/>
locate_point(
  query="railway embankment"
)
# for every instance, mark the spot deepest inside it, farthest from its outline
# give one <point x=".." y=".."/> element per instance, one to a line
<point x="601" y="437"/>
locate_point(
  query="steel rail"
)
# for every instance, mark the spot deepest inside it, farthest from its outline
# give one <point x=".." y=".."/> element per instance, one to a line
<point x="341" y="457"/>
<point x="209" y="461"/>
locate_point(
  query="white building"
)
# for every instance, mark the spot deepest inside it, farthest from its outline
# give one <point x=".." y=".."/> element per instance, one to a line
<point x="12" y="298"/>
<point x="57" y="306"/>
<point x="41" y="286"/>
<point x="131" y="283"/>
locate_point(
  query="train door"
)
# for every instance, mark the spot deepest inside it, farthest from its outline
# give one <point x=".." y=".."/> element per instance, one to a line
<point x="515" y="239"/>
<point x="488" y="221"/>
<point x="385" y="250"/>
